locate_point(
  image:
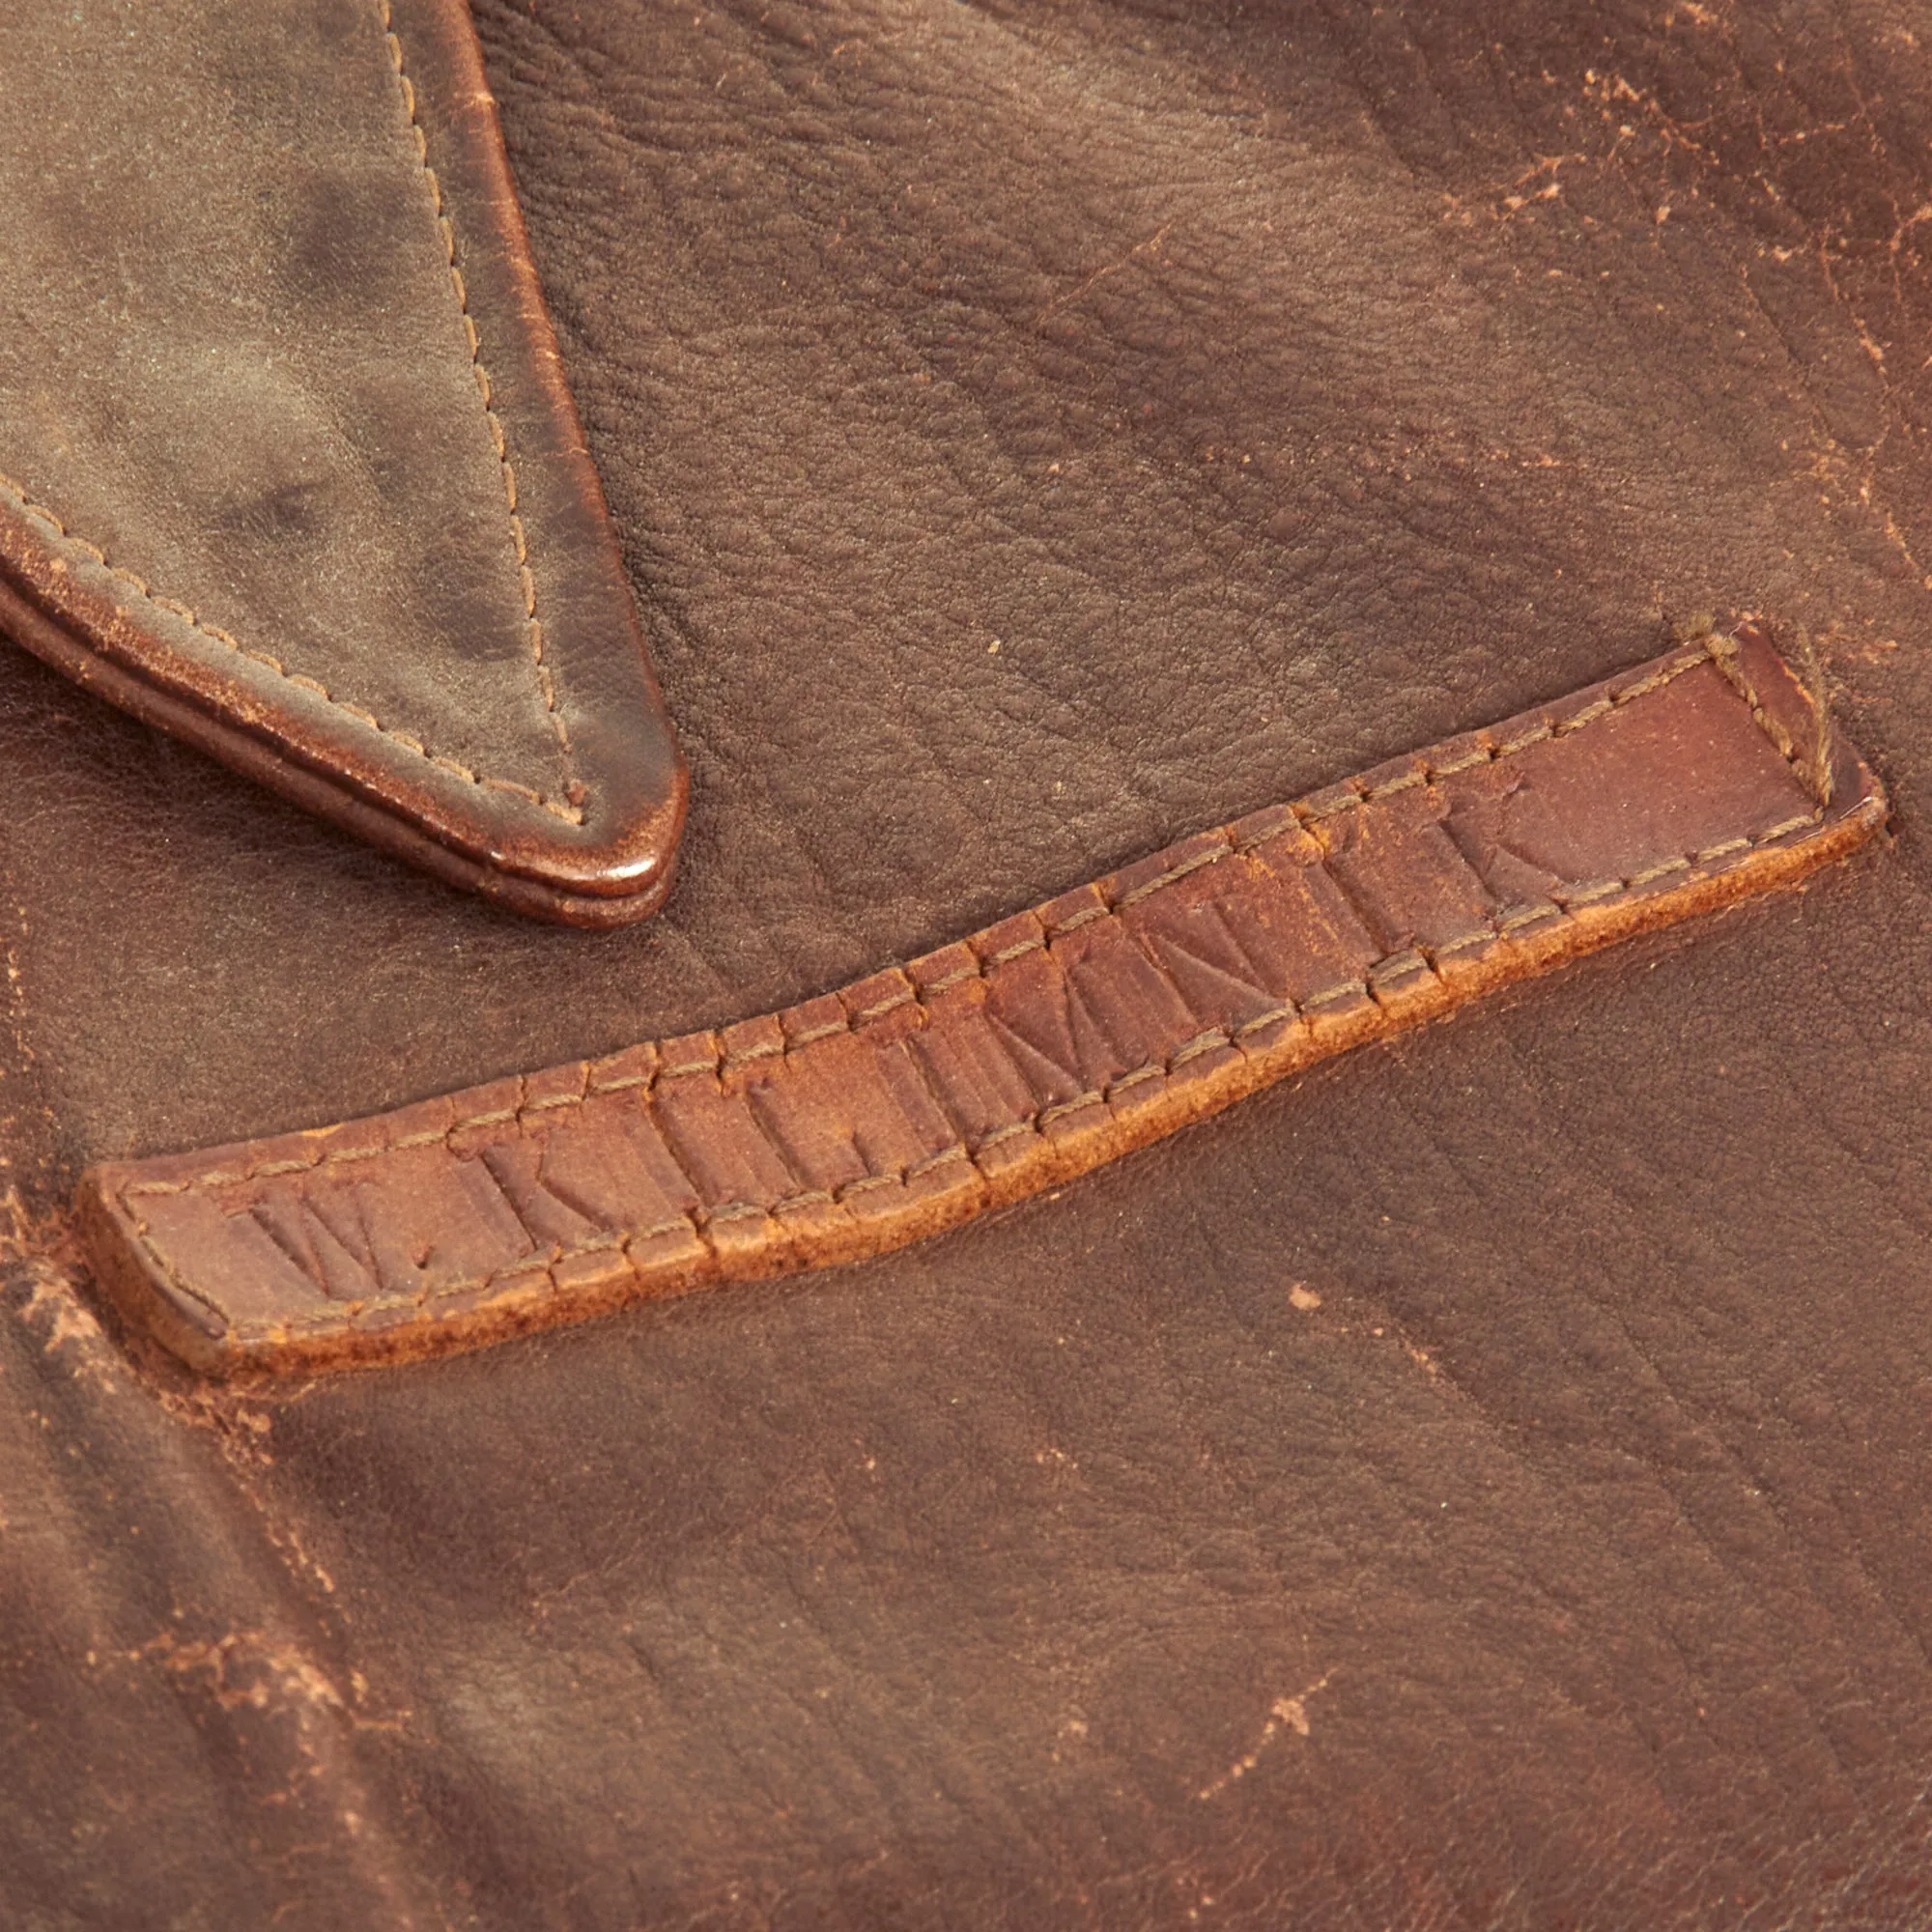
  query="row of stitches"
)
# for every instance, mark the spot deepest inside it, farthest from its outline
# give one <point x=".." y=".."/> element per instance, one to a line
<point x="698" y="1224"/>
<point x="1507" y="924"/>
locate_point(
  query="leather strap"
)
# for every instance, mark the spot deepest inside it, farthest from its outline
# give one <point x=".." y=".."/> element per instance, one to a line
<point x="1031" y="1052"/>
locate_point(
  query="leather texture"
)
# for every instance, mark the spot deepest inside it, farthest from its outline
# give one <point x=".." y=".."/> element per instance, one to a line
<point x="1029" y="1053"/>
<point x="1531" y="1407"/>
<point x="287" y="462"/>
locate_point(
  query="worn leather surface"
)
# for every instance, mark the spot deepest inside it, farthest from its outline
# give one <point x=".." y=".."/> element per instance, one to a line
<point x="287" y="464"/>
<point x="1531" y="1408"/>
<point x="1031" y="1052"/>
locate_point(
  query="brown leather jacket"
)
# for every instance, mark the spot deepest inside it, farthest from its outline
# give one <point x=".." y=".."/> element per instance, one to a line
<point x="1125" y="502"/>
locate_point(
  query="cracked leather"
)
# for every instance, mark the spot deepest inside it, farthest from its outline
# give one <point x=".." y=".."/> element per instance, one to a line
<point x="1479" y="1482"/>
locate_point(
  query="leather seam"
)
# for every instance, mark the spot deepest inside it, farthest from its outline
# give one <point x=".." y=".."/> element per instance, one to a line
<point x="37" y="512"/>
<point x="698" y="1222"/>
<point x="569" y="809"/>
<point x="533" y="626"/>
<point x="1602" y="707"/>
<point x="1586" y="892"/>
<point x="1505" y="924"/>
<point x="1392" y="978"/>
<point x="1814" y="774"/>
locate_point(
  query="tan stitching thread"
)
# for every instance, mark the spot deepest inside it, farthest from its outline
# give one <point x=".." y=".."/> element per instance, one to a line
<point x="732" y="1210"/>
<point x="1394" y="965"/>
<point x="1397" y="966"/>
<point x="1079" y="1103"/>
<point x="1272" y="1017"/>
<point x="765" y="1051"/>
<point x="615" y="1241"/>
<point x="1406" y="960"/>
<point x="1085" y="916"/>
<point x="570" y="812"/>
<point x="1423" y="774"/>
<point x="1585" y="894"/>
<point x="1328" y="995"/>
<point x="1179" y="871"/>
<point x="952" y="980"/>
<point x="1507" y="920"/>
<point x="703" y="1219"/>
<point x="811" y="1034"/>
<point x="1201" y="1042"/>
<point x="1492" y="754"/>
<point x="958" y="1150"/>
<point x="1601" y="708"/>
<point x="38" y="513"/>
<point x="812" y="1197"/>
<point x="685" y="1069"/>
<point x="1467" y="764"/>
<point x="533" y="627"/>
<point x="608" y="1087"/>
<point x="1407" y="782"/>
<point x="1813" y="773"/>
<point x="1333" y="808"/>
<point x="1007" y="954"/>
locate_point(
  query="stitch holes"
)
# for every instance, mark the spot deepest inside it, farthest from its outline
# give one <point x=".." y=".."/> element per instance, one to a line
<point x="1812" y="767"/>
<point x="38" y="513"/>
<point x="533" y="624"/>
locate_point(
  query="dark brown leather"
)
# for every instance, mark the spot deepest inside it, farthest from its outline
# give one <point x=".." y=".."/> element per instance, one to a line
<point x="1030" y="1053"/>
<point x="953" y="1589"/>
<point x="286" y="461"/>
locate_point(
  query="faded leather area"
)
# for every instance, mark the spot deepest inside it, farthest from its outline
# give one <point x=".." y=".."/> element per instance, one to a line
<point x="286" y="461"/>
<point x="1532" y="1406"/>
<point x="1030" y="1053"/>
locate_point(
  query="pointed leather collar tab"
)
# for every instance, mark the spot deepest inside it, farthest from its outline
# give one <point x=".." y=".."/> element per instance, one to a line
<point x="286" y="461"/>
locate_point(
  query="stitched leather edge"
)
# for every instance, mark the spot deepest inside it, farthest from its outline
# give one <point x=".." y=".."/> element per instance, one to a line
<point x="279" y="768"/>
<point x="602" y="860"/>
<point x="890" y="1204"/>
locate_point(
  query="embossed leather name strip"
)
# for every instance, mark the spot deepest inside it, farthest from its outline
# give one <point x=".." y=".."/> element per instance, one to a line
<point x="1028" y="1053"/>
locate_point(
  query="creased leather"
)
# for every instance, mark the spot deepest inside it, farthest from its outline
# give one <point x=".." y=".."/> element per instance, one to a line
<point x="1531" y="1406"/>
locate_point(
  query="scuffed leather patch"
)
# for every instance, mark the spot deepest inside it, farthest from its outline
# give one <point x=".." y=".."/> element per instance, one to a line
<point x="1033" y="1051"/>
